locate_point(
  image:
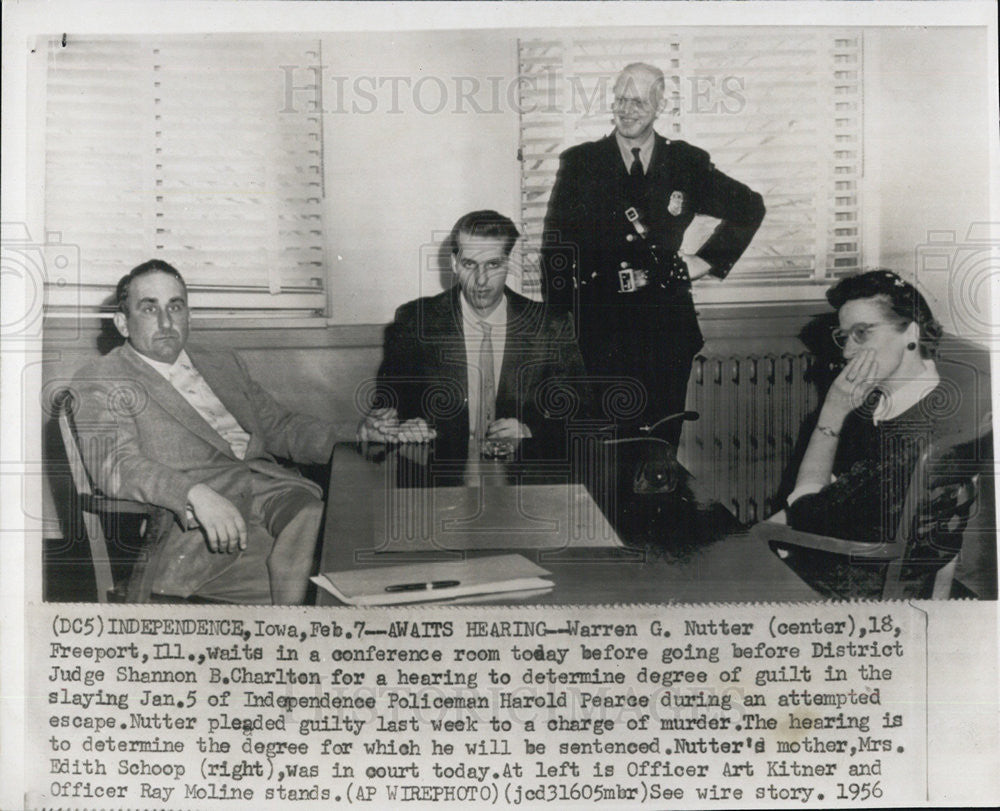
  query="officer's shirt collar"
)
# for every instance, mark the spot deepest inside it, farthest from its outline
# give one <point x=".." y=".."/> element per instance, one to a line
<point x="645" y="150"/>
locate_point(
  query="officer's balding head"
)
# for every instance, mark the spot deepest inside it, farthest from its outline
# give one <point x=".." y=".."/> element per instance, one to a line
<point x="639" y="99"/>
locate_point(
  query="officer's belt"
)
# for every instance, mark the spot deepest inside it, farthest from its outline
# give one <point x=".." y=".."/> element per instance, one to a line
<point x="633" y="280"/>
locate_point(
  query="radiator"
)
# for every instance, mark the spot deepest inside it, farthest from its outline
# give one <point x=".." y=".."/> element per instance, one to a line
<point x="752" y="411"/>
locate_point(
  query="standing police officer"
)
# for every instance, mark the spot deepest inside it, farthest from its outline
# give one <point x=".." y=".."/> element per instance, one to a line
<point x="613" y="231"/>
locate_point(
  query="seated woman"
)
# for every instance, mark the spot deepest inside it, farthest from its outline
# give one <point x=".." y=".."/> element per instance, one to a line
<point x="880" y="413"/>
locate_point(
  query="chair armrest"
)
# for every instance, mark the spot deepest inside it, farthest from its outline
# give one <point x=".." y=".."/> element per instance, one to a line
<point x="782" y="533"/>
<point x="102" y="504"/>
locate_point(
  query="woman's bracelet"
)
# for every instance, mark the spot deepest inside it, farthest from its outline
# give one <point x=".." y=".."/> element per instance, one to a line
<point x="828" y="431"/>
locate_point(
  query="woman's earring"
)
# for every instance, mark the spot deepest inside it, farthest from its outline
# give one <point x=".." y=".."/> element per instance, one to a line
<point x="911" y="345"/>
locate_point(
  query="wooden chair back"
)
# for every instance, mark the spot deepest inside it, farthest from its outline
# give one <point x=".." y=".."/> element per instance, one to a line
<point x="95" y="507"/>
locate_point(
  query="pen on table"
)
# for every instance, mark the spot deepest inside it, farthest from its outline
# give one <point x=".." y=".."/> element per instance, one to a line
<point x="436" y="584"/>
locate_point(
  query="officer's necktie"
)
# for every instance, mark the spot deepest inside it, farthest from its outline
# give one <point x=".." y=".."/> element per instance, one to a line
<point x="636" y="181"/>
<point x="487" y="393"/>
<point x="635" y="170"/>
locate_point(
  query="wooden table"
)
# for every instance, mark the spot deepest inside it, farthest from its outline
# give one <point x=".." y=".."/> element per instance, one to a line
<point x="385" y="508"/>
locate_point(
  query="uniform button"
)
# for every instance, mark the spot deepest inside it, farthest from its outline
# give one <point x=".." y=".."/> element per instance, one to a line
<point x="624" y="264"/>
<point x="630" y="237"/>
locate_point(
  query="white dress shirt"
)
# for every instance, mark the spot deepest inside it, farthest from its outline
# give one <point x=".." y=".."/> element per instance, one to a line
<point x="188" y="382"/>
<point x="645" y="151"/>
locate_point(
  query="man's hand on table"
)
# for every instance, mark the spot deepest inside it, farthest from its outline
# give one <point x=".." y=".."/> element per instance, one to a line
<point x="383" y="425"/>
<point x="508" y="428"/>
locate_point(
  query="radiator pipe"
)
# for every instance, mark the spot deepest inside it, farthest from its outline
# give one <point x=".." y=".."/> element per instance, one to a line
<point x="684" y="415"/>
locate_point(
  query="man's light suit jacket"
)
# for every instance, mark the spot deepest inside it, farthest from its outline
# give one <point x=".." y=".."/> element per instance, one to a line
<point x="142" y="440"/>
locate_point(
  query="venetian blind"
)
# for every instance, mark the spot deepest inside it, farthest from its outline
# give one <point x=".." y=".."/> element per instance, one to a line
<point x="205" y="151"/>
<point x="777" y="110"/>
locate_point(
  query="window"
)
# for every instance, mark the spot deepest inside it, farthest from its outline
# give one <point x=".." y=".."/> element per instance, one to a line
<point x="203" y="151"/>
<point x="777" y="110"/>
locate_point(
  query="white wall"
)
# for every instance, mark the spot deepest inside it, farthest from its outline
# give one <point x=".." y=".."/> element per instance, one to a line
<point x="399" y="172"/>
<point x="928" y="122"/>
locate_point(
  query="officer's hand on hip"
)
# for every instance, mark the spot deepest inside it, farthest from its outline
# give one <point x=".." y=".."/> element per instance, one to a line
<point x="697" y="267"/>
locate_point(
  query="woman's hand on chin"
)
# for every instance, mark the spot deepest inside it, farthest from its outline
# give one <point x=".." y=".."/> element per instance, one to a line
<point x="854" y="383"/>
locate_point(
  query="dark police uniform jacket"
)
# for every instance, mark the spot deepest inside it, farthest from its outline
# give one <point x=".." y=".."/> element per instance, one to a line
<point x="588" y="236"/>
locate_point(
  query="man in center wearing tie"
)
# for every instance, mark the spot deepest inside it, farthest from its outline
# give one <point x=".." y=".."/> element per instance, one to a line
<point x="611" y="247"/>
<point x="478" y="362"/>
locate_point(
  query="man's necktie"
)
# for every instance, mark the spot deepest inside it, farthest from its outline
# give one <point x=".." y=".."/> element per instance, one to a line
<point x="635" y="170"/>
<point x="636" y="181"/>
<point x="487" y="393"/>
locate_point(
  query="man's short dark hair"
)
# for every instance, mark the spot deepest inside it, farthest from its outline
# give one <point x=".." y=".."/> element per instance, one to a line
<point x="151" y="266"/>
<point x="485" y="223"/>
<point x="897" y="296"/>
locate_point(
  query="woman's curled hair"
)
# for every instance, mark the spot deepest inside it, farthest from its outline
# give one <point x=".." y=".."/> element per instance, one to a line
<point x="899" y="297"/>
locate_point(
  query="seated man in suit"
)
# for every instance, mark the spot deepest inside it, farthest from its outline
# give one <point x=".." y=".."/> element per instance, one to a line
<point x="477" y="362"/>
<point x="186" y="429"/>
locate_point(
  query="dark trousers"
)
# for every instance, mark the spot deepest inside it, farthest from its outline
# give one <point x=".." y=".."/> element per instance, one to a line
<point x="640" y="368"/>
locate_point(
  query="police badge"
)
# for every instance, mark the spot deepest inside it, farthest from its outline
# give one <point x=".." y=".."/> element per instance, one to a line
<point x="676" y="204"/>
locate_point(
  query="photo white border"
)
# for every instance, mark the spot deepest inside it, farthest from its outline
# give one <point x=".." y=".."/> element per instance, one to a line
<point x="21" y="428"/>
